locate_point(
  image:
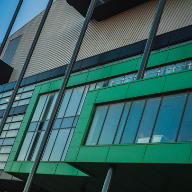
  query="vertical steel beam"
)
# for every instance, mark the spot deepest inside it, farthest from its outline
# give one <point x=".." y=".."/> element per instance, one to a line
<point x="25" y="66"/>
<point x="10" y="26"/>
<point x="109" y="178"/>
<point x="60" y="96"/>
<point x="150" y="40"/>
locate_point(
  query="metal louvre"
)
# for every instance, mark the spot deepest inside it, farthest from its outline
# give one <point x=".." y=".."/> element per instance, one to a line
<point x="59" y="35"/>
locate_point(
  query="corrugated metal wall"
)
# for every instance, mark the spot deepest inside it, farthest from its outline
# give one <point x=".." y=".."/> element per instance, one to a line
<point x="63" y="25"/>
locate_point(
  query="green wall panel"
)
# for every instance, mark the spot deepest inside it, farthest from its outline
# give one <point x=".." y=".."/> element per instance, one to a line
<point x="100" y="73"/>
<point x="112" y="93"/>
<point x="77" y="139"/>
<point x="72" y="154"/>
<point x="20" y="136"/>
<point x="178" y="81"/>
<point x="12" y="156"/>
<point x="44" y="88"/>
<point x="179" y="53"/>
<point x="92" y="154"/>
<point x="146" y="87"/>
<point x="15" y="167"/>
<point x="47" y="168"/>
<point x="77" y="79"/>
<point x="167" y="153"/>
<point x="82" y="125"/>
<point x="16" y="146"/>
<point x="124" y="67"/>
<point x="126" y="154"/>
<point x="8" y="166"/>
<point x="65" y="169"/>
<point x="158" y="58"/>
<point x="55" y="85"/>
<point x="26" y="167"/>
<point x="87" y="111"/>
<point x="91" y="97"/>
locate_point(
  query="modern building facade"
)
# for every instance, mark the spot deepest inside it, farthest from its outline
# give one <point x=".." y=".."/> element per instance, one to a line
<point x="107" y="118"/>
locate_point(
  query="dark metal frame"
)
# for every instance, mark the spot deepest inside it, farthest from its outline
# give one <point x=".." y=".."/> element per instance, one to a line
<point x="150" y="40"/>
<point x="60" y="96"/>
<point x="25" y="65"/>
<point x="10" y="26"/>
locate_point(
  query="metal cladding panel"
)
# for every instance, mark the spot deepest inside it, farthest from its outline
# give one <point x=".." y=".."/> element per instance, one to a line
<point x="63" y="25"/>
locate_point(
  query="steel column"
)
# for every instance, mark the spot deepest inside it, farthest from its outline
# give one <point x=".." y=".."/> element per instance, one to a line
<point x="60" y="96"/>
<point x="150" y="40"/>
<point x="10" y="26"/>
<point x="25" y="66"/>
<point x="109" y="178"/>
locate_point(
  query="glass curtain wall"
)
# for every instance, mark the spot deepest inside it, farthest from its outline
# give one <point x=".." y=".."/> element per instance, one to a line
<point x="63" y="128"/>
<point x="150" y="120"/>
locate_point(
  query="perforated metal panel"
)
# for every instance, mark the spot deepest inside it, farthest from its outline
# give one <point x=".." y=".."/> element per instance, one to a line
<point x="62" y="27"/>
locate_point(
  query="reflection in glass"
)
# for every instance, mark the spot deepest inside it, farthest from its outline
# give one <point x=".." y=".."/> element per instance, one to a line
<point x="133" y="121"/>
<point x="122" y="123"/>
<point x="185" y="133"/>
<point x="96" y="125"/>
<point x="148" y="120"/>
<point x="59" y="144"/>
<point x="111" y="123"/>
<point x="169" y="118"/>
<point x="49" y="145"/>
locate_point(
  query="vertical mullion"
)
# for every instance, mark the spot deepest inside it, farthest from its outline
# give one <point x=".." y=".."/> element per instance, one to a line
<point x="119" y="123"/>
<point x="156" y="119"/>
<point x="140" y="119"/>
<point x="182" y="117"/>
<point x="103" y="124"/>
<point x="126" y="121"/>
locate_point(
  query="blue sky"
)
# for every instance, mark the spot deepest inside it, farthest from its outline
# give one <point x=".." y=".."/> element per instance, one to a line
<point x="28" y="10"/>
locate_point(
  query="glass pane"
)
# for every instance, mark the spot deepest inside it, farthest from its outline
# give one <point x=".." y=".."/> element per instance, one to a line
<point x="6" y="127"/>
<point x="8" y="93"/>
<point x="28" y="88"/>
<point x="47" y="106"/>
<point x="122" y="123"/>
<point x="15" y="104"/>
<point x="74" y="101"/>
<point x="67" y="145"/>
<point x="37" y="145"/>
<point x="148" y="120"/>
<point x="96" y="125"/>
<point x="99" y="84"/>
<point x="4" y="157"/>
<point x="26" y="95"/>
<point x="169" y="118"/>
<point x="118" y="80"/>
<point x="25" y="146"/>
<point x="39" y="108"/>
<point x="2" y="165"/>
<point x="129" y="78"/>
<point x="67" y="122"/>
<point x="15" y="125"/>
<point x="185" y="133"/>
<point x="32" y="126"/>
<point x="52" y="105"/>
<point x="9" y="141"/>
<point x="5" y="149"/>
<point x="3" y="106"/>
<point x="12" y="133"/>
<point x="17" y="118"/>
<point x="59" y="145"/>
<point x="57" y="124"/>
<point x="152" y="72"/>
<point x="9" y="119"/>
<point x="49" y="145"/>
<point x="82" y="100"/>
<point x="3" y="134"/>
<point x="75" y="121"/>
<point x="92" y="86"/>
<point x="23" y="102"/>
<point x="111" y="123"/>
<point x="110" y="82"/>
<point x="133" y="122"/>
<point x="64" y="103"/>
<point x="167" y="69"/>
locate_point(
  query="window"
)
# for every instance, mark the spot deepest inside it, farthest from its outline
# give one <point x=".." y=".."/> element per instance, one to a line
<point x="11" y="49"/>
<point x="159" y="119"/>
<point x="63" y="127"/>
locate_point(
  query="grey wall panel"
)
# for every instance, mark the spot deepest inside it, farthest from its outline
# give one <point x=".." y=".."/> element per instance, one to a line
<point x="62" y="27"/>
